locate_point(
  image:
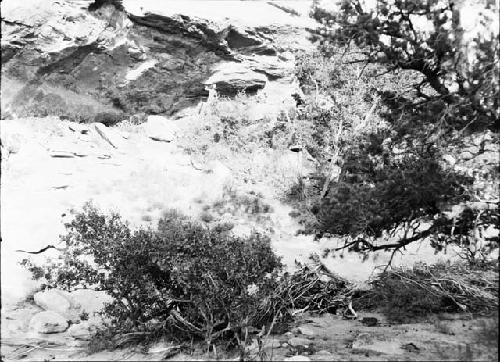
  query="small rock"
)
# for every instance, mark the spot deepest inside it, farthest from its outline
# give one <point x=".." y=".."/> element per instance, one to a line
<point x="305" y="331"/>
<point x="48" y="322"/>
<point x="466" y="155"/>
<point x="490" y="147"/>
<point x="323" y="352"/>
<point x="411" y="347"/>
<point x="52" y="300"/>
<point x="78" y="128"/>
<point x="159" y="128"/>
<point x="297" y="341"/>
<point x="297" y="358"/>
<point x="449" y="159"/>
<point x="82" y="331"/>
<point x="369" y="321"/>
<point x="473" y="149"/>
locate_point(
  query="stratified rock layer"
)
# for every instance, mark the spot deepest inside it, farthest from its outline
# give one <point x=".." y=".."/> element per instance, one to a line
<point x="106" y="64"/>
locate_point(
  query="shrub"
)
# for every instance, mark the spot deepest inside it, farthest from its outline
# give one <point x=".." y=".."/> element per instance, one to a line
<point x="180" y="280"/>
<point x="405" y="293"/>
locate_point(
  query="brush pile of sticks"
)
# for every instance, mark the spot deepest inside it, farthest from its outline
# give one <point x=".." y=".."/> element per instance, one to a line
<point x="468" y="288"/>
<point x="311" y="288"/>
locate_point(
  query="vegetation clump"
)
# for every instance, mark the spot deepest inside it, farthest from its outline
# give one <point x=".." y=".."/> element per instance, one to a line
<point x="385" y="102"/>
<point x="180" y="280"/>
<point x="406" y="293"/>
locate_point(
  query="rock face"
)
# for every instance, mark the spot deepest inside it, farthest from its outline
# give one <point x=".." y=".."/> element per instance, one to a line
<point x="81" y="62"/>
<point x="48" y="322"/>
<point x="232" y="78"/>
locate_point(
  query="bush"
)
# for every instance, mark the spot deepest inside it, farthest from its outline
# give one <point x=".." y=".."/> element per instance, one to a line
<point x="405" y="293"/>
<point x="180" y="280"/>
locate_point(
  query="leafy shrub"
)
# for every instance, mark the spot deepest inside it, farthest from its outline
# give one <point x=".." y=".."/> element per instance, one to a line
<point x="378" y="191"/>
<point x="181" y="279"/>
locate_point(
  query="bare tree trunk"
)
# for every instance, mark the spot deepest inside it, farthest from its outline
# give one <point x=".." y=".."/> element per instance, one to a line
<point x="334" y="168"/>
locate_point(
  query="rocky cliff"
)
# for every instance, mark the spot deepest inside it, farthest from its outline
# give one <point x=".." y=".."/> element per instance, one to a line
<point x="87" y="61"/>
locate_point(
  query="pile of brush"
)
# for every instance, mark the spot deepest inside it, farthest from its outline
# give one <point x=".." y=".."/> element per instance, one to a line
<point x="441" y="287"/>
<point x="311" y="288"/>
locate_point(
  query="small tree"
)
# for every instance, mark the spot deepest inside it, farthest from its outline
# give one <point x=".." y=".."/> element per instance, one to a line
<point x="393" y="184"/>
<point x="428" y="37"/>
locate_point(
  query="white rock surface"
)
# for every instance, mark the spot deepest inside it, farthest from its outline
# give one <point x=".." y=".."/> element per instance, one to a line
<point x="88" y="301"/>
<point x="297" y="358"/>
<point x="48" y="322"/>
<point x="52" y="300"/>
<point x="82" y="330"/>
<point x="160" y="128"/>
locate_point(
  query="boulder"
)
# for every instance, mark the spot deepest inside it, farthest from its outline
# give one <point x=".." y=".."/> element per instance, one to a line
<point x="160" y="128"/>
<point x="231" y="78"/>
<point x="48" y="322"/>
<point x="88" y="301"/>
<point x="82" y="331"/>
<point x="52" y="300"/>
